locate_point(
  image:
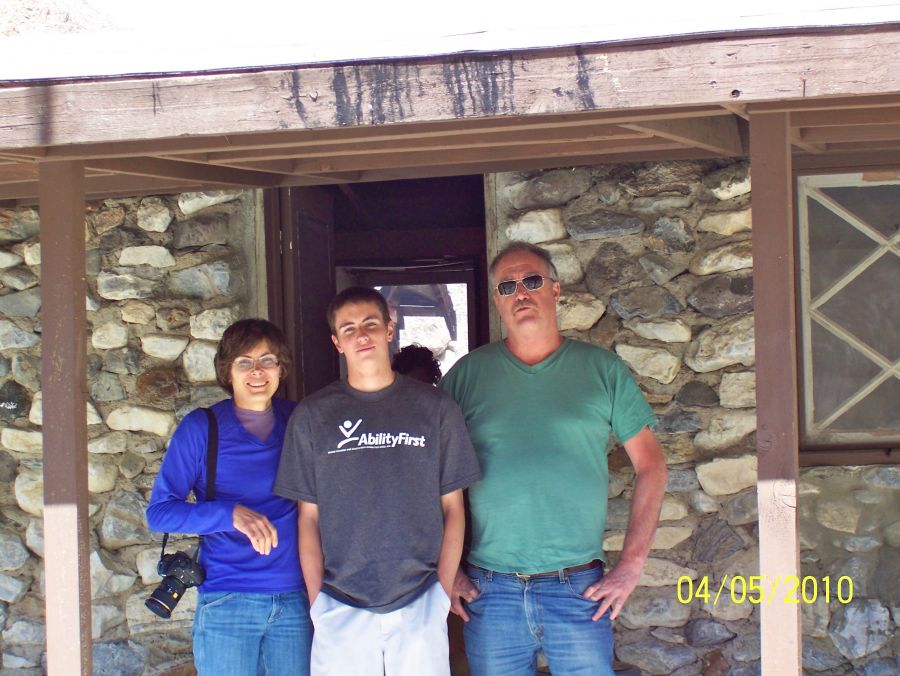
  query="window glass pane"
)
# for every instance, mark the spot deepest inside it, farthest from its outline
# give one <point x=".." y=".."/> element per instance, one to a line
<point x="878" y="413"/>
<point x="839" y="372"/>
<point x="877" y="205"/>
<point x="835" y="247"/>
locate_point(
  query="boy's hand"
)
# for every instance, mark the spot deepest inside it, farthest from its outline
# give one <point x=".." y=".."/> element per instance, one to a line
<point x="463" y="590"/>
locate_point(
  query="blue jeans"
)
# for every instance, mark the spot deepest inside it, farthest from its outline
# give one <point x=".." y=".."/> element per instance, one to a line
<point x="242" y="634"/>
<point x="513" y="620"/>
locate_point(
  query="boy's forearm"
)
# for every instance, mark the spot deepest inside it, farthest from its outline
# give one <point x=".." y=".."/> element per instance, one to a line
<point x="312" y="561"/>
<point x="452" y="542"/>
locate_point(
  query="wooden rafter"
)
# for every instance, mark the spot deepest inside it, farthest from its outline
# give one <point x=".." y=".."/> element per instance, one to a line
<point x="187" y="171"/>
<point x="719" y="135"/>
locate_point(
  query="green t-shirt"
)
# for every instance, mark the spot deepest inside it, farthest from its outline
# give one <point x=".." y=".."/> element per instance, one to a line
<point x="541" y="435"/>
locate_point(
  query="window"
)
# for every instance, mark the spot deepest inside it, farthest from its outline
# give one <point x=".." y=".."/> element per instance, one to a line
<point x="850" y="303"/>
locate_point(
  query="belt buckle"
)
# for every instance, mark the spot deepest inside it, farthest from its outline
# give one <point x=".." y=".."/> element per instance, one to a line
<point x="525" y="577"/>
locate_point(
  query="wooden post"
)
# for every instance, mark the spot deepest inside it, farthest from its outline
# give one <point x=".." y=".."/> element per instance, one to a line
<point x="63" y="376"/>
<point x="777" y="435"/>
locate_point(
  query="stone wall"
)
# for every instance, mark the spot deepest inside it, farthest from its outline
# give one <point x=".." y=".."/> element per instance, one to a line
<point x="165" y="276"/>
<point x="656" y="265"/>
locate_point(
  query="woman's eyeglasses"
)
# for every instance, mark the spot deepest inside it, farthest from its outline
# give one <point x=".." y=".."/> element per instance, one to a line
<point x="531" y="283"/>
<point x="247" y="364"/>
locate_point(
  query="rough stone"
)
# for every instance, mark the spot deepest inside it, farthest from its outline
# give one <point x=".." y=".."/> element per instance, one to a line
<point x="682" y="481"/>
<point x="206" y="396"/>
<point x="36" y="415"/>
<point x="726" y="223"/>
<point x="109" y="336"/>
<point x="654" y="608"/>
<point x="118" y="658"/>
<point x="549" y="189"/>
<point x="12" y="589"/>
<point x="103" y="618"/>
<point x="839" y="514"/>
<point x="742" y="509"/>
<point x="819" y="655"/>
<point x="663" y="573"/>
<point x="105" y="219"/>
<point x="567" y="265"/>
<point x="724" y="476"/>
<point x="157" y="383"/>
<point x="136" y="312"/>
<point x="666" y="634"/>
<point x="860" y="628"/>
<point x="892" y="534"/>
<point x="728" y="343"/>
<point x="102" y="474"/>
<point x="673" y="234"/>
<point x="815" y="616"/>
<point x="9" y="259"/>
<point x="107" y="577"/>
<point x="201" y="231"/>
<point x="14" y="400"/>
<point x="106" y="387"/>
<point x="536" y="227"/>
<point x="110" y="443"/>
<point x="609" y="268"/>
<point x="20" y="278"/>
<point x="131" y="465"/>
<point x="17" y="225"/>
<point x="153" y="215"/>
<point x="725" y="258"/>
<point x="646" y="302"/>
<point x="666" y="537"/>
<point x="171" y="318"/>
<point x="726" y="429"/>
<point x="666" y="330"/>
<point x="24" y="631"/>
<point x="123" y="362"/>
<point x="884" y="476"/>
<point x="29" y="489"/>
<point x="729" y="182"/>
<point x="677" y="421"/>
<point x="724" y="295"/>
<point x="715" y="540"/>
<point x="14" y="338"/>
<point x="123" y="524"/>
<point x="21" y="303"/>
<point x="701" y="502"/>
<point x="24" y="441"/>
<point x="660" y="269"/>
<point x="702" y="633"/>
<point x="13" y="553"/>
<point x="142" y="622"/>
<point x="854" y="543"/>
<point x="579" y="311"/>
<point x="163" y="346"/>
<point x="589" y="218"/>
<point x="206" y="281"/>
<point x="656" y="363"/>
<point x="114" y="286"/>
<point x="192" y="202"/>
<point x="746" y="646"/>
<point x="654" y="656"/>
<point x="695" y="393"/>
<point x="658" y="205"/>
<point x="141" y="419"/>
<point x="738" y="390"/>
<point x="883" y="666"/>
<point x="145" y="563"/>
<point x="616" y="484"/>
<point x="861" y="571"/>
<point x="199" y="361"/>
<point x="152" y="255"/>
<point x="725" y="610"/>
<point x="32" y="253"/>
<point x="211" y="324"/>
<point x="8" y="467"/>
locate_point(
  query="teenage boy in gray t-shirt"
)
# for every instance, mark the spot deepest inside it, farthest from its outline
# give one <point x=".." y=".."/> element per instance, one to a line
<point x="377" y="463"/>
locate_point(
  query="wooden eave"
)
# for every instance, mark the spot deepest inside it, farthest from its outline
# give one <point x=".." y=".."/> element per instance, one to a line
<point x="462" y="114"/>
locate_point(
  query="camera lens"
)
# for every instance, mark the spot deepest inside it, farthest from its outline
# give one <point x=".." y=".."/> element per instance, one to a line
<point x="165" y="597"/>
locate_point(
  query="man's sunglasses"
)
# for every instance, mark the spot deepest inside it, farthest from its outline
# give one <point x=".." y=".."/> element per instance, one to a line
<point x="531" y="283"/>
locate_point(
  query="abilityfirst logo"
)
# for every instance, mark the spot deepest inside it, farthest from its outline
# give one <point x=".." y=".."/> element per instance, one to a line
<point x="372" y="440"/>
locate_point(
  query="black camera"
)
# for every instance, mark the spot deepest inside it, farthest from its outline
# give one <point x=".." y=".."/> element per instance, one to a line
<point x="179" y="572"/>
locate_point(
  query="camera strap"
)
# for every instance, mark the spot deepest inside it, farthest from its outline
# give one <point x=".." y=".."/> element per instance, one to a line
<point x="212" y="457"/>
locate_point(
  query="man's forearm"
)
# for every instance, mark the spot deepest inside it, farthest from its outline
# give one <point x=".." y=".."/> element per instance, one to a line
<point x="646" y="502"/>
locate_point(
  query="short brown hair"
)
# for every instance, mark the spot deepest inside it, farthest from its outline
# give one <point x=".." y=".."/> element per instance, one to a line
<point x="356" y="294"/>
<point x="518" y="246"/>
<point x="243" y="336"/>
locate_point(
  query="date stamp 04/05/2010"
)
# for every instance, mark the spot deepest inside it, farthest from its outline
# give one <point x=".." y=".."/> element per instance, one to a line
<point x="756" y="589"/>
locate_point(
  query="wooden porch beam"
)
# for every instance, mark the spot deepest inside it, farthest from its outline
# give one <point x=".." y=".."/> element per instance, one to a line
<point x="719" y="135"/>
<point x="777" y="430"/>
<point x="64" y="381"/>
<point x="840" y="118"/>
<point x="846" y="61"/>
<point x="186" y="171"/>
<point x="875" y="132"/>
<point x="843" y="162"/>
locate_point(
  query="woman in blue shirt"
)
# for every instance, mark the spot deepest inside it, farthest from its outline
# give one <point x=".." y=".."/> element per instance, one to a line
<point x="252" y="614"/>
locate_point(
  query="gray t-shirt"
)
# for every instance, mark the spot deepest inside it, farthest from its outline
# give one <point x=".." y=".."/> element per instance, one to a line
<point x="377" y="464"/>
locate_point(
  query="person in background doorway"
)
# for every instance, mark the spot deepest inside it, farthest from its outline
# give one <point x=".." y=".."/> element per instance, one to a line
<point x="378" y="463"/>
<point x="252" y="615"/>
<point x="417" y="362"/>
<point x="540" y="409"/>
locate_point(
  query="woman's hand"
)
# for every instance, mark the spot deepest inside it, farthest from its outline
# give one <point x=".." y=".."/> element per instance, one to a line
<point x="257" y="528"/>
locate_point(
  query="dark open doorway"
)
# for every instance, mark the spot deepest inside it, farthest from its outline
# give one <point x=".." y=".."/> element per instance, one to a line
<point x="422" y="241"/>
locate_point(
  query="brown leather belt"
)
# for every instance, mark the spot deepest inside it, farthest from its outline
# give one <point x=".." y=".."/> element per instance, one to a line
<point x="562" y="573"/>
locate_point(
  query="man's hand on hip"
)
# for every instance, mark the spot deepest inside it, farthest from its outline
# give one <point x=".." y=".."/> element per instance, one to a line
<point x="463" y="590"/>
<point x="614" y="589"/>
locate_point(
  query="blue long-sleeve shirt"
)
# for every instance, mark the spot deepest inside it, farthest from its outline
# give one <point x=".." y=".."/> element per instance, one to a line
<point x="245" y="474"/>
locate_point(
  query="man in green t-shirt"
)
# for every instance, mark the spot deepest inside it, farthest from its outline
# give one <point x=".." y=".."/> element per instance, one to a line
<point x="540" y="408"/>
